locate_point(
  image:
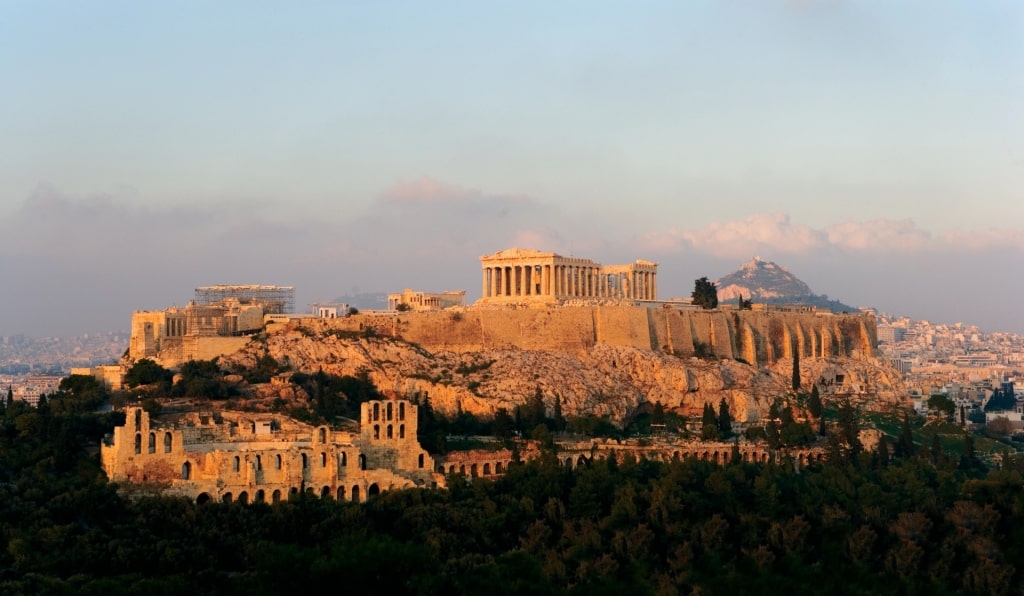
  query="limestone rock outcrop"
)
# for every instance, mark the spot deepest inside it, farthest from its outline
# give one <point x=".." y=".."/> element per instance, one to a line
<point x="613" y="377"/>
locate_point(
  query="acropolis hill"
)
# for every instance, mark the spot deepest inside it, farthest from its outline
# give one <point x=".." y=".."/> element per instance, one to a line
<point x="594" y="337"/>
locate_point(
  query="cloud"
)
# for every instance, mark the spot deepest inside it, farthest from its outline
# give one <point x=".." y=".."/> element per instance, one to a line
<point x="776" y="233"/>
<point x="427" y="190"/>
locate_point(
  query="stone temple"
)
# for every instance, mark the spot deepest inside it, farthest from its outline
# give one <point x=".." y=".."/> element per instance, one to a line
<point x="520" y="275"/>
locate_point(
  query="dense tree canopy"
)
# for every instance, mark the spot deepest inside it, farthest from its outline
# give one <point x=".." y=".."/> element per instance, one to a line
<point x="705" y="293"/>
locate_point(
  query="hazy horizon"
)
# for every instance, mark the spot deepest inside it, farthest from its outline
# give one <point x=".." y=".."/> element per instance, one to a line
<point x="875" y="150"/>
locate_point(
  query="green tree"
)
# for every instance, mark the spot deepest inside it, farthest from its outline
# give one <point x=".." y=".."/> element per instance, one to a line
<point x="905" y="443"/>
<point x="705" y="293"/>
<point x="943" y="405"/>
<point x="146" y="372"/>
<point x="724" y="420"/>
<point x="814" y="405"/>
<point x="709" y="430"/>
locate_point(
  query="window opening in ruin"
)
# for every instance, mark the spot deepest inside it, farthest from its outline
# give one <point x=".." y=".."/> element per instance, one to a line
<point x="305" y="461"/>
<point x="497" y="468"/>
<point x="325" y="492"/>
<point x="260" y="496"/>
<point x="138" y="443"/>
<point x="376" y="431"/>
<point x="390" y="432"/>
<point x="278" y="462"/>
<point x="355" y="494"/>
<point x="341" y="494"/>
<point x="167" y="442"/>
<point x="376" y="412"/>
<point x="275" y="496"/>
<point x="138" y="419"/>
<point x="344" y="459"/>
<point x="373" y="491"/>
<point x="389" y="412"/>
<point x="226" y="498"/>
<point x="472" y="470"/>
<point x="152" y="442"/>
<point x="421" y="460"/>
<point x="487" y="469"/>
<point x="323" y="460"/>
<point x="401" y="431"/>
<point x="243" y="498"/>
<point x="401" y="411"/>
<point x="323" y="435"/>
<point x="259" y="462"/>
<point x="202" y="498"/>
<point x="362" y="461"/>
<point x="186" y="470"/>
<point x="237" y="464"/>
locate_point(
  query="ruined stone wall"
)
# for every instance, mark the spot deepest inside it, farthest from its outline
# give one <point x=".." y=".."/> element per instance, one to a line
<point x="756" y="337"/>
<point x="207" y="459"/>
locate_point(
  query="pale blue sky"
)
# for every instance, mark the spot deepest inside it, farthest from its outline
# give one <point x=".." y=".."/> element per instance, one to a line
<point x="868" y="146"/>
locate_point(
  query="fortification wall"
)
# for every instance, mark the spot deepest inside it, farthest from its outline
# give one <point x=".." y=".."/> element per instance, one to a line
<point x="756" y="337"/>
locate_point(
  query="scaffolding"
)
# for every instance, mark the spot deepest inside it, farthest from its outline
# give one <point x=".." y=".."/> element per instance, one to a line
<point x="273" y="299"/>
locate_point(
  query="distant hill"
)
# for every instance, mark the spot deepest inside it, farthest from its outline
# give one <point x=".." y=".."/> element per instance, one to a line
<point x="766" y="282"/>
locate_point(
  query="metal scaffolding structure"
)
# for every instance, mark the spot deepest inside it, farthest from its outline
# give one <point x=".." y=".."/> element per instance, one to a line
<point x="273" y="299"/>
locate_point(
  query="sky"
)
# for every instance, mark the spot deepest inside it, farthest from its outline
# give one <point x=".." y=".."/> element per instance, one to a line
<point x="875" y="149"/>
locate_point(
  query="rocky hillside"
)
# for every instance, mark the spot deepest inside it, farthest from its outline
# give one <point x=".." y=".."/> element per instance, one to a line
<point x="601" y="379"/>
<point x="765" y="281"/>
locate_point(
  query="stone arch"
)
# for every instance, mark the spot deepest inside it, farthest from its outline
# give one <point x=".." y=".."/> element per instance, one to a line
<point x="168" y="441"/>
<point x="203" y="498"/>
<point x="355" y="493"/>
<point x="152" y="442"/>
<point x="243" y="498"/>
<point x="582" y="460"/>
<point x="373" y="491"/>
<point x="707" y="456"/>
<point x="325" y="492"/>
<point x="420" y="460"/>
<point x="472" y="470"/>
<point x="227" y="498"/>
<point x="451" y="469"/>
<point x="138" y="443"/>
<point x="487" y="469"/>
<point x="675" y="455"/>
<point x="498" y="468"/>
<point x="341" y="494"/>
<point x="362" y="461"/>
<point x="260" y="496"/>
<point x="391" y="432"/>
<point x="343" y="460"/>
<point x="186" y="470"/>
<point x="275" y="497"/>
<point x="462" y="469"/>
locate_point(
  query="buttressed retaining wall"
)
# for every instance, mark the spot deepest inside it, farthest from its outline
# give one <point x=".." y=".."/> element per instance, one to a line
<point x="752" y="336"/>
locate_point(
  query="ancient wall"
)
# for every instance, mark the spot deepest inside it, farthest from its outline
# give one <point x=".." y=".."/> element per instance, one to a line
<point x="756" y="337"/>
<point x="233" y="456"/>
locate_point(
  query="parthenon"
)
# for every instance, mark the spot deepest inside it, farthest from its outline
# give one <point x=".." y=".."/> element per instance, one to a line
<point x="522" y="275"/>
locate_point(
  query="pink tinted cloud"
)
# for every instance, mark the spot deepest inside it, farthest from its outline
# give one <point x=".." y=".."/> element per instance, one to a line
<point x="776" y="233"/>
<point x="427" y="190"/>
